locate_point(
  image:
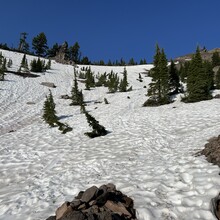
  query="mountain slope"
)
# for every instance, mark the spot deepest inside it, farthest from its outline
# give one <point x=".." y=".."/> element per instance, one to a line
<point x="148" y="154"/>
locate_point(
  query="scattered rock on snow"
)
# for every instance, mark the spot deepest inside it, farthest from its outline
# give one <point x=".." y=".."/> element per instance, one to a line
<point x="212" y="151"/>
<point x="48" y="84"/>
<point x="103" y="203"/>
<point x="31" y="103"/>
<point x="217" y="96"/>
<point x="65" y="97"/>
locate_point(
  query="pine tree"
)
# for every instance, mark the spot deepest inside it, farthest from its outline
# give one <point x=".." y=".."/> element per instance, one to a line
<point x="1" y="58"/>
<point x="90" y="81"/>
<point x="209" y="74"/>
<point x="217" y="79"/>
<point x="124" y="82"/>
<point x="113" y="82"/>
<point x="174" y="79"/>
<point x="4" y="66"/>
<point x="48" y="65"/>
<point x="75" y="53"/>
<point x="39" y="44"/>
<point x="49" y="114"/>
<point x="159" y="87"/>
<point x="131" y="62"/>
<point x="198" y="85"/>
<point x="215" y="59"/>
<point x="98" y="130"/>
<point x="23" y="45"/>
<point x="76" y="95"/>
<point x="2" y="74"/>
<point x="9" y="65"/>
<point x="53" y="51"/>
<point x="37" y="65"/>
<point x="24" y="64"/>
<point x="101" y="80"/>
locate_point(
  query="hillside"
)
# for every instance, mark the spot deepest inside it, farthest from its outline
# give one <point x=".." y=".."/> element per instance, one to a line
<point x="148" y="153"/>
<point x="206" y="55"/>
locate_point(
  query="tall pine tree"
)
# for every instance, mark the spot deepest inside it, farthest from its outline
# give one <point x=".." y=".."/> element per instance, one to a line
<point x="174" y="80"/>
<point x="158" y="91"/>
<point x="198" y="82"/>
<point x="39" y="44"/>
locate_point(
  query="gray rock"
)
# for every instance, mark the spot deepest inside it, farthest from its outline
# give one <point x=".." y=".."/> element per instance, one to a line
<point x="89" y="194"/>
<point x="48" y="84"/>
<point x="74" y="216"/>
<point x="79" y="196"/>
<point x="51" y="218"/>
<point x="31" y="103"/>
<point x="75" y="203"/>
<point x="65" y="97"/>
<point x="62" y="210"/>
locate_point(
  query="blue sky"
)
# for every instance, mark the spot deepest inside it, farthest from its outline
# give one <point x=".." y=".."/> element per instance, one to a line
<point x="112" y="29"/>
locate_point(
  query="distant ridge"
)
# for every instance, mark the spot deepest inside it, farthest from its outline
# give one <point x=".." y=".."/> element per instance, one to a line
<point x="206" y="55"/>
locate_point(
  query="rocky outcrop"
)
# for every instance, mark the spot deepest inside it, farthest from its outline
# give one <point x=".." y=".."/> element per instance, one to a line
<point x="206" y="55"/>
<point x="61" y="55"/>
<point x="212" y="151"/>
<point x="103" y="203"/>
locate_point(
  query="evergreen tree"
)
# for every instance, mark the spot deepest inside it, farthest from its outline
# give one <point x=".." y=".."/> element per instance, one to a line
<point x="39" y="44"/>
<point x="109" y="63"/>
<point x="9" y="65"/>
<point x="48" y="65"/>
<point x="53" y="51"/>
<point x="1" y="58"/>
<point x="23" y="45"/>
<point x="2" y="74"/>
<point x="215" y="59"/>
<point x="85" y="61"/>
<point x="24" y="65"/>
<point x="101" y="80"/>
<point x="97" y="129"/>
<point x="75" y="53"/>
<point x="174" y="79"/>
<point x="76" y="95"/>
<point x="143" y="62"/>
<point x="198" y="85"/>
<point x="49" y="114"/>
<point x="37" y="65"/>
<point x="131" y="62"/>
<point x="159" y="87"/>
<point x="124" y="82"/>
<point x="113" y="82"/>
<point x="217" y="79"/>
<point x="4" y="66"/>
<point x="209" y="74"/>
<point x="90" y="81"/>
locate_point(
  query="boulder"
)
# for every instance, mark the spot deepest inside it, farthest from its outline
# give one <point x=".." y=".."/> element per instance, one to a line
<point x="212" y="151"/>
<point x="103" y="203"/>
<point x="48" y="84"/>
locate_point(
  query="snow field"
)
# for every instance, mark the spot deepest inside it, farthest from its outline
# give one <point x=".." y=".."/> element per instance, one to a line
<point x="148" y="154"/>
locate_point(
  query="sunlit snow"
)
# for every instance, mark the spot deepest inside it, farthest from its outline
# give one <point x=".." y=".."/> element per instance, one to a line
<point x="148" y="153"/>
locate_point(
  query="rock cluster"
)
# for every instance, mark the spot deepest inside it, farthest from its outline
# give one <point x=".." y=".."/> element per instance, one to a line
<point x="212" y="151"/>
<point x="61" y="55"/>
<point x="103" y="203"/>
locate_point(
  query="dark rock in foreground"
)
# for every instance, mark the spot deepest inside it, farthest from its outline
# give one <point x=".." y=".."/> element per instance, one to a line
<point x="212" y="151"/>
<point x="103" y="203"/>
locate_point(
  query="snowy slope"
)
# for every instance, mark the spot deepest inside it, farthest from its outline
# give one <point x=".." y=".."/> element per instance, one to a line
<point x="148" y="154"/>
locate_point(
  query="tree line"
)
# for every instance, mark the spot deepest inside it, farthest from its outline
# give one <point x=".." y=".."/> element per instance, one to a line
<point x="168" y="80"/>
<point x="72" y="53"/>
